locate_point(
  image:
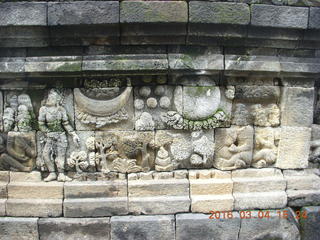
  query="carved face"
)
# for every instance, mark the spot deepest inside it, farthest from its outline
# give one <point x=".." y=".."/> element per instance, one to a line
<point x="53" y="98"/>
<point x="24" y="99"/>
<point x="7" y="124"/>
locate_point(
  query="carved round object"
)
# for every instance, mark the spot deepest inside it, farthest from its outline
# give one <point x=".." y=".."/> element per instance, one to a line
<point x="152" y="102"/>
<point x="138" y="104"/>
<point x="165" y="102"/>
<point x="159" y="91"/>
<point x="144" y="91"/>
<point x="200" y="102"/>
<point x="181" y="149"/>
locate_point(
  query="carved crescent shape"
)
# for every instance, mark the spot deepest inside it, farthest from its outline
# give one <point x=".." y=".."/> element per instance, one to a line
<point x="101" y="108"/>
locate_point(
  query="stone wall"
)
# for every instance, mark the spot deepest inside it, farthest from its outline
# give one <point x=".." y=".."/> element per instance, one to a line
<point x="160" y="120"/>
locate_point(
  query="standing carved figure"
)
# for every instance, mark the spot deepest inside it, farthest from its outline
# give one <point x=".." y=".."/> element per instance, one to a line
<point x="54" y="123"/>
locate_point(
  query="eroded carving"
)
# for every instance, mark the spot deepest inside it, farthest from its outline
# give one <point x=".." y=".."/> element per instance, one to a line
<point x="54" y="123"/>
<point x="234" y="147"/>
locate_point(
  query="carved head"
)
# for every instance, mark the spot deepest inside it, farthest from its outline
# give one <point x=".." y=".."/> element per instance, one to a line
<point x="13" y="102"/>
<point x="8" y="119"/>
<point x="24" y="99"/>
<point x="53" y="99"/>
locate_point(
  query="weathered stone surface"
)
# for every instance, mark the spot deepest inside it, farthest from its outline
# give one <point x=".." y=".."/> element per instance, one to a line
<point x="234" y="147"/>
<point x="259" y="188"/>
<point x="210" y="190"/>
<point x="19" y="228"/>
<point x="95" y="207"/>
<point x="3" y="207"/>
<point x="257" y="93"/>
<point x="199" y="226"/>
<point x="153" y="12"/>
<point x="314" y="18"/>
<point x="34" y="176"/>
<point x="297" y="106"/>
<point x="296" y="141"/>
<point x="76" y="13"/>
<point x="35" y="190"/>
<point x="196" y="58"/>
<point x="310" y="224"/>
<point x="4" y="179"/>
<point x="12" y="65"/>
<point x="219" y="13"/>
<point x="302" y="187"/>
<point x="143" y="227"/>
<point x="23" y="14"/>
<point x="159" y="194"/>
<point x="274" y="227"/>
<point x="34" y="207"/>
<point x="279" y="16"/>
<point x="299" y="65"/>
<point x="74" y="228"/>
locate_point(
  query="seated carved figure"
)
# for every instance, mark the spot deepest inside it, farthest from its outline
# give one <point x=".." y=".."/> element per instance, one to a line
<point x="18" y="153"/>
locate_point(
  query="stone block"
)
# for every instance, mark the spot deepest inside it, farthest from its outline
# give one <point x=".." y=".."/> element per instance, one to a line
<point x="219" y="13"/>
<point x="210" y="190"/>
<point x="12" y="65"/>
<point x="200" y="226"/>
<point x="34" y="207"/>
<point x="143" y="227"/>
<point x="234" y="147"/>
<point x="309" y="226"/>
<point x="296" y="141"/>
<point x="99" y="189"/>
<point x="53" y="64"/>
<point x="23" y="14"/>
<point x="3" y="207"/>
<point x="297" y="106"/>
<point x="74" y="228"/>
<point x="34" y="176"/>
<point x="19" y="228"/>
<point x="158" y="195"/>
<point x="314" y="18"/>
<point x="4" y="179"/>
<point x="274" y="227"/>
<point x="195" y="58"/>
<point x="297" y="66"/>
<point x="83" y="13"/>
<point x="279" y="16"/>
<point x="95" y="207"/>
<point x="259" y="188"/>
<point x="256" y="94"/>
<point x="35" y="190"/>
<point x="302" y="187"/>
<point x="153" y="12"/>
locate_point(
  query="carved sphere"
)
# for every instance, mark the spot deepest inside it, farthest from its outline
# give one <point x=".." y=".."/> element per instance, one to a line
<point x="165" y="102"/>
<point x="144" y="91"/>
<point x="138" y="104"/>
<point x="159" y="91"/>
<point x="152" y="102"/>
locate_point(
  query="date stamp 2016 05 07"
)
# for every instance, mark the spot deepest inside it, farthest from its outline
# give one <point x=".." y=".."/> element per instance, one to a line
<point x="262" y="214"/>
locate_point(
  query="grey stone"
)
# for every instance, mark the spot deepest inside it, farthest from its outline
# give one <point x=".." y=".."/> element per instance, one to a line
<point x="74" y="228"/>
<point x="12" y="65"/>
<point x="199" y="226"/>
<point x="19" y="228"/>
<point x="155" y="227"/>
<point x="279" y="16"/>
<point x="86" y="12"/>
<point x="219" y="13"/>
<point x="274" y="227"/>
<point x="299" y="65"/>
<point x="257" y="93"/>
<point x="298" y="82"/>
<point x="23" y="14"/>
<point x="314" y="18"/>
<point x="310" y="223"/>
<point x="297" y="106"/>
<point x="153" y="12"/>
<point x="2" y="207"/>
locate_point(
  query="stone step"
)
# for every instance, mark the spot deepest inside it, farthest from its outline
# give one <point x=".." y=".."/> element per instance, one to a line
<point x="260" y="200"/>
<point x="159" y="204"/>
<point x="95" y="207"/>
<point x="211" y="186"/>
<point x="301" y="198"/>
<point x="3" y="207"/>
<point x="34" y="207"/>
<point x="35" y="190"/>
<point x="207" y="203"/>
<point x="99" y="189"/>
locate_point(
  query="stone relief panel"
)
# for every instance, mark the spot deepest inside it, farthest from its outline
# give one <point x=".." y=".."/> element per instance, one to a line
<point x="256" y="105"/>
<point x="234" y="147"/>
<point x="182" y="149"/>
<point x="102" y="105"/>
<point x="197" y="108"/>
<point x="314" y="157"/>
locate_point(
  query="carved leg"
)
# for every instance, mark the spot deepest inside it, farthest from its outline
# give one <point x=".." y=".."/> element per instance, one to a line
<point x="60" y="162"/>
<point x="6" y="162"/>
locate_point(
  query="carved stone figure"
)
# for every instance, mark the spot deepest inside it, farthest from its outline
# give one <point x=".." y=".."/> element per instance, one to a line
<point x="17" y="151"/>
<point x="314" y="157"/>
<point x="265" y="151"/>
<point x="163" y="161"/>
<point x="53" y="122"/>
<point x="233" y="147"/>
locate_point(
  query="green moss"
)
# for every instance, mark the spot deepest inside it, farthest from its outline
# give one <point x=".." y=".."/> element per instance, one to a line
<point x="69" y="67"/>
